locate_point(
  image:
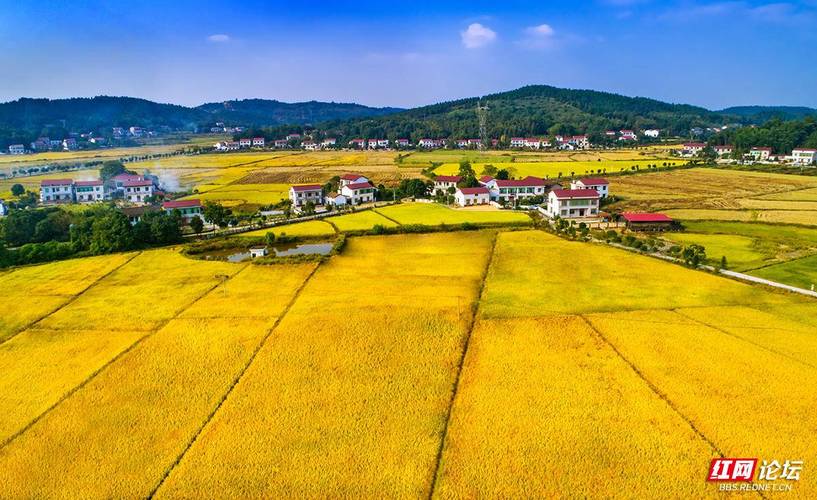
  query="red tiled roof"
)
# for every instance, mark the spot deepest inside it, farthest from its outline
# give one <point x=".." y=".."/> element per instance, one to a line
<point x="594" y="181"/>
<point x="762" y="149"/>
<point x="351" y="177"/>
<point x="474" y="190"/>
<point x="694" y="145"/>
<point x="724" y="146"/>
<point x="447" y="178"/>
<point x="527" y="181"/>
<point x="181" y="204"/>
<point x="804" y="150"/>
<point x="359" y="185"/>
<point x="126" y="177"/>
<point x="56" y="182"/>
<point x="645" y="217"/>
<point x="307" y="187"/>
<point x="486" y="178"/>
<point x="88" y="183"/>
<point x="137" y="183"/>
<point x="575" y="193"/>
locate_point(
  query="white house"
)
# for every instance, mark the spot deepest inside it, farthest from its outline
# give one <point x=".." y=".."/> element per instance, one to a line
<point x="760" y="154"/>
<point x="3" y="209"/>
<point x="402" y="143"/>
<point x="279" y="143"/>
<point x="627" y="135"/>
<point x="357" y="143"/>
<point x="572" y="203"/>
<point x="330" y="141"/>
<point x="347" y="179"/>
<point x="69" y="144"/>
<point x="532" y="142"/>
<point x="462" y="143"/>
<point x="137" y="191"/>
<point x="517" y="142"/>
<point x="443" y="182"/>
<point x="596" y="183"/>
<point x="56" y="191"/>
<point x="258" y="142"/>
<point x="802" y="156"/>
<point x="580" y="141"/>
<point x="652" y="132"/>
<point x="378" y="143"/>
<point x="17" y="149"/>
<point x="120" y="180"/>
<point x="335" y="199"/>
<point x="303" y="194"/>
<point x="310" y="145"/>
<point x="472" y="196"/>
<point x="431" y="143"/>
<point x="293" y="137"/>
<point x="509" y="190"/>
<point x="724" y="150"/>
<point x="358" y="192"/>
<point x="692" y="148"/>
<point x="89" y="191"/>
<point x="244" y="143"/>
<point x="187" y="208"/>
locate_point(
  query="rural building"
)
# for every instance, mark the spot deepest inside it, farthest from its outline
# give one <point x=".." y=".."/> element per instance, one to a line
<point x="347" y="179"/>
<point x="280" y="143"/>
<point x="572" y="203"/>
<point x="431" y="143"/>
<point x="358" y="192"/>
<point x="120" y="180"/>
<point x="472" y="196"/>
<point x="760" y="154"/>
<point x="508" y="190"/>
<point x="244" y="143"/>
<point x="692" y="148"/>
<point x="310" y="145"/>
<point x="134" y="214"/>
<point x="256" y="252"/>
<point x="610" y="133"/>
<point x="331" y="141"/>
<point x="188" y="209"/>
<point x="56" y="191"/>
<point x="89" y="191"/>
<point x="627" y="135"/>
<point x="580" y="141"/>
<point x="301" y="195"/>
<point x="3" y="209"/>
<point x="724" y="150"/>
<point x="69" y="144"/>
<point x="293" y="137"/>
<point x="402" y="143"/>
<point x="17" y="149"/>
<point x="652" y="133"/>
<point x="138" y="191"/>
<point x="802" y="156"/>
<point x="378" y="143"/>
<point x="335" y="199"/>
<point x="517" y="142"/>
<point x="258" y="142"/>
<point x="597" y="183"/>
<point x="647" y="222"/>
<point x="357" y="143"/>
<point x="443" y="182"/>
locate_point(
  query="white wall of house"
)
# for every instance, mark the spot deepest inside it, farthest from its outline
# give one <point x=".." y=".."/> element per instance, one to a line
<point x="571" y="208"/>
<point x="301" y="197"/>
<point x="466" y="200"/>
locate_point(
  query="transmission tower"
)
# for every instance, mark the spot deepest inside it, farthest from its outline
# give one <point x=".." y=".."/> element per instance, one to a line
<point x="482" y="116"/>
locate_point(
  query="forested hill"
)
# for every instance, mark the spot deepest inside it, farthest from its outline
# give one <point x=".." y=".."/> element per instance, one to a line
<point x="26" y="119"/>
<point x="536" y="110"/>
<point x="762" y="114"/>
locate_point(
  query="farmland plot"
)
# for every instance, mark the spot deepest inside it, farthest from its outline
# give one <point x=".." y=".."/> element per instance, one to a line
<point x="119" y="434"/>
<point x="433" y="214"/>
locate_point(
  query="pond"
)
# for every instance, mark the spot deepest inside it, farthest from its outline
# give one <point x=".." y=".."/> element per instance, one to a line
<point x="238" y="254"/>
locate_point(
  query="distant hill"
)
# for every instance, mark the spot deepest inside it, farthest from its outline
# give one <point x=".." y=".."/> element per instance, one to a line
<point x="537" y="110"/>
<point x="762" y="114"/>
<point x="263" y="112"/>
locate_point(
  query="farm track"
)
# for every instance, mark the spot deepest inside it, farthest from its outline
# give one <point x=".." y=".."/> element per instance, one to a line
<point x="387" y="217"/>
<point x="235" y="382"/>
<point x="755" y="344"/>
<point x="460" y="365"/>
<point x="70" y="301"/>
<point x="116" y="358"/>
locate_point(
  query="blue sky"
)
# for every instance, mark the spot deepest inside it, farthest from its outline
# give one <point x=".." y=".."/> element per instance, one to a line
<point x="713" y="54"/>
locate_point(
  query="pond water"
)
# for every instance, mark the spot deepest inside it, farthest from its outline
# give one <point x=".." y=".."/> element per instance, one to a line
<point x="280" y="250"/>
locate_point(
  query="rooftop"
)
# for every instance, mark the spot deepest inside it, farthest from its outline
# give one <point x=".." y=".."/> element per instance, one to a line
<point x="575" y="193"/>
<point x="181" y="204"/>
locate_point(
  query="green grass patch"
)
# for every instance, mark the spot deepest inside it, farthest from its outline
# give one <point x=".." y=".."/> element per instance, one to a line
<point x="434" y="214"/>
<point x="360" y="221"/>
<point x="800" y="273"/>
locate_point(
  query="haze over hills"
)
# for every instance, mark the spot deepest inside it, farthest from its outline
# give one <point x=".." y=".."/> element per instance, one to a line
<point x="530" y="110"/>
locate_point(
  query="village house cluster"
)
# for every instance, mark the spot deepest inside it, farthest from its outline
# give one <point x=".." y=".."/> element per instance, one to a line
<point x="76" y="141"/>
<point x="353" y="189"/>
<point x="135" y="189"/>
<point x="798" y="156"/>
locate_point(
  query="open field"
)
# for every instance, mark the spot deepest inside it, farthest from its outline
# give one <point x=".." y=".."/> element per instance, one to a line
<point x="359" y="221"/>
<point x="433" y="214"/>
<point x="306" y="229"/>
<point x="799" y="272"/>
<point x="423" y="365"/>
<point x="739" y="251"/>
<point x="560" y="169"/>
<point x="802" y="217"/>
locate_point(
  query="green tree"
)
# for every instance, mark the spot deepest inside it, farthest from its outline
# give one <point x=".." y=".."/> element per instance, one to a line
<point x="111" y="232"/>
<point x="110" y="169"/>
<point x="17" y="189"/>
<point x="197" y="224"/>
<point x="693" y="255"/>
<point x="503" y="175"/>
<point x="216" y="213"/>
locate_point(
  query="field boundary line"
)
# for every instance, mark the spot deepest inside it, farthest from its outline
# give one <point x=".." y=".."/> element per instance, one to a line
<point x="386" y="217"/>
<point x="235" y="382"/>
<point x="760" y="346"/>
<point x="70" y="300"/>
<point x="111" y="361"/>
<point x="654" y="388"/>
<point x="461" y="363"/>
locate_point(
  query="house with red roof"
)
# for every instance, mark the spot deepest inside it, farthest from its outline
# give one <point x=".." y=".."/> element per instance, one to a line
<point x="760" y="154"/>
<point x="573" y="203"/>
<point x="358" y="143"/>
<point x="358" y="192"/>
<point x="509" y="190"/>
<point x="302" y="194"/>
<point x="466" y="197"/>
<point x="724" y="150"/>
<point x="402" y="143"/>
<point x="258" y="142"/>
<point x="431" y="143"/>
<point x="89" y="191"/>
<point x="692" y="148"/>
<point x="804" y="156"/>
<point x="638" y="221"/>
<point x="443" y="182"/>
<point x="597" y="183"/>
<point x="187" y="208"/>
<point x="627" y="135"/>
<point x="245" y="143"/>
<point x="137" y="191"/>
<point x="56" y="191"/>
<point x="346" y="179"/>
<point x="517" y="142"/>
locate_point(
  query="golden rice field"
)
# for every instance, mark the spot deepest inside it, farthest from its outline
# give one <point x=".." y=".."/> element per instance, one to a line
<point x="302" y="229"/>
<point x="557" y="169"/>
<point x="458" y="364"/>
<point x="433" y="214"/>
<point x="359" y="221"/>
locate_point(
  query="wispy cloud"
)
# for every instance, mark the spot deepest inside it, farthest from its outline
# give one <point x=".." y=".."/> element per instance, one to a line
<point x="779" y="12"/>
<point x="477" y="36"/>
<point x="541" y="36"/>
<point x="219" y="38"/>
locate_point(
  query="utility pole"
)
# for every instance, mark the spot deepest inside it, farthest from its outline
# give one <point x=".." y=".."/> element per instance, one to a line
<point x="482" y="116"/>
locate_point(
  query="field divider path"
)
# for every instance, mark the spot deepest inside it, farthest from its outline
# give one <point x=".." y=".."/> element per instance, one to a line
<point x="655" y="389"/>
<point x="70" y="301"/>
<point x="113" y="360"/>
<point x="461" y="363"/>
<point x="235" y="382"/>
<point x="741" y="339"/>
<point x="375" y="210"/>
